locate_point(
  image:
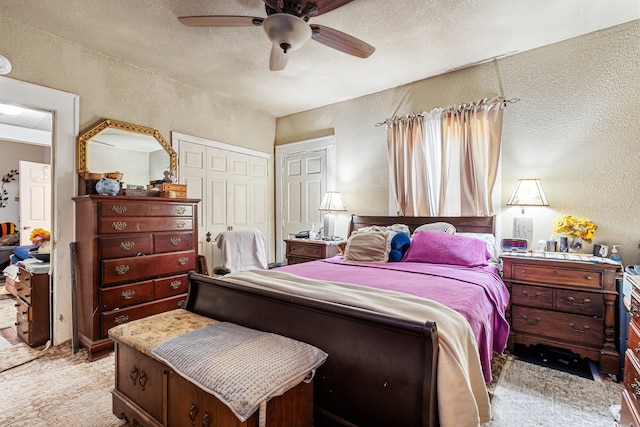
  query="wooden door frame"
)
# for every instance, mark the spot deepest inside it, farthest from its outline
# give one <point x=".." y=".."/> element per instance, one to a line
<point x="64" y="185"/>
<point x="327" y="143"/>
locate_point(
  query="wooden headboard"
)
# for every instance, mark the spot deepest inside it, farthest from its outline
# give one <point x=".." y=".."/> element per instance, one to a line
<point x="468" y="224"/>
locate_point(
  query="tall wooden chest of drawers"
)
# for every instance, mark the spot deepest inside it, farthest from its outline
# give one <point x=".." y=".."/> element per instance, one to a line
<point x="565" y="304"/>
<point x="133" y="254"/>
<point x="630" y="409"/>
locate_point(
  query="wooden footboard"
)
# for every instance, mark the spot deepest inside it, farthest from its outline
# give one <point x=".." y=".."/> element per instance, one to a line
<point x="380" y="370"/>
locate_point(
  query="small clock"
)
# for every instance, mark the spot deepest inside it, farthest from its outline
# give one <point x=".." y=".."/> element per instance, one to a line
<point x="515" y="245"/>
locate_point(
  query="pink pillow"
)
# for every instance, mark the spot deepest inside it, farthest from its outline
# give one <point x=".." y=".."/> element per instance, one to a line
<point x="442" y="248"/>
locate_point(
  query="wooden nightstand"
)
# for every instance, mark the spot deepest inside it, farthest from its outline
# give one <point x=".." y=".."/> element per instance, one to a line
<point x="565" y="304"/>
<point x="305" y="250"/>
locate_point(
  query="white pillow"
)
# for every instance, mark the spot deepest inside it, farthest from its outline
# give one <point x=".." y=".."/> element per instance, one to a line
<point x="443" y="227"/>
<point x="492" y="245"/>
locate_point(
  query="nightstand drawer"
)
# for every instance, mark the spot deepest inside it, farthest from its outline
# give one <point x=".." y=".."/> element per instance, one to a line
<point x="563" y="276"/>
<point x="586" y="303"/>
<point x="532" y="296"/>
<point x="305" y="250"/>
<point x="561" y="326"/>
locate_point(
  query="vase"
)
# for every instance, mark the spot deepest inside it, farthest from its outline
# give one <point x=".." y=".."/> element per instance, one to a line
<point x="108" y="186"/>
<point x="45" y="247"/>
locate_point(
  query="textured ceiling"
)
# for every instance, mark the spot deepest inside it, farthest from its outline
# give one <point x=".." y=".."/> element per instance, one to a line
<point x="414" y="39"/>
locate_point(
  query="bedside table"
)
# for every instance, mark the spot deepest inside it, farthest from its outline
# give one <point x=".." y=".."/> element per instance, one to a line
<point x="305" y="250"/>
<point x="565" y="304"/>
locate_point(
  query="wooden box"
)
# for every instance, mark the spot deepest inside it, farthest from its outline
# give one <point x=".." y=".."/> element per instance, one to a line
<point x="170" y="190"/>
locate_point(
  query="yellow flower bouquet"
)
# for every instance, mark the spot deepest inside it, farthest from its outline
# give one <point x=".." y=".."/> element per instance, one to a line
<point x="574" y="227"/>
<point x="39" y="235"/>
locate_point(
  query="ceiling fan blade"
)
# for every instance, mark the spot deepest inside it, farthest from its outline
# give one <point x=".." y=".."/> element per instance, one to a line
<point x="341" y="41"/>
<point x="325" y="6"/>
<point x="278" y="59"/>
<point x="221" y="21"/>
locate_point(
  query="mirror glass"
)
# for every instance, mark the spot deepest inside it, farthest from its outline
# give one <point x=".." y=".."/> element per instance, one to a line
<point x="139" y="153"/>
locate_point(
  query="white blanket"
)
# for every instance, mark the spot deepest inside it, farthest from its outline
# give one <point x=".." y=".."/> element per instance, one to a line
<point x="462" y="395"/>
<point x="242" y="250"/>
<point x="242" y="367"/>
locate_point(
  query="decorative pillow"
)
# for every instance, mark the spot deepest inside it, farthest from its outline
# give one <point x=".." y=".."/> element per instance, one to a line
<point x="7" y="228"/>
<point x="373" y="246"/>
<point x="443" y="227"/>
<point x="492" y="244"/>
<point x="443" y="248"/>
<point x="398" y="228"/>
<point x="399" y="245"/>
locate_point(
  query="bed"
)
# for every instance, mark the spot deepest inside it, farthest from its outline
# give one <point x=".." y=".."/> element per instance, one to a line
<point x="393" y="360"/>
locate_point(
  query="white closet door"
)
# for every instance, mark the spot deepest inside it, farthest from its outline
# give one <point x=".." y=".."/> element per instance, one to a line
<point x="232" y="187"/>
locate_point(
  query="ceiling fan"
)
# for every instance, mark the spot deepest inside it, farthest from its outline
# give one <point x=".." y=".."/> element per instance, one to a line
<point x="288" y="29"/>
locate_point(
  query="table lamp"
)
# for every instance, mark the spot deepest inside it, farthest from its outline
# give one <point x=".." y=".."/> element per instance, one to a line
<point x="528" y="192"/>
<point x="332" y="201"/>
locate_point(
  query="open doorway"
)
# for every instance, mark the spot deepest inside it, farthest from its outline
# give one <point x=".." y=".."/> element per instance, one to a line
<point x="63" y="110"/>
<point x="25" y="207"/>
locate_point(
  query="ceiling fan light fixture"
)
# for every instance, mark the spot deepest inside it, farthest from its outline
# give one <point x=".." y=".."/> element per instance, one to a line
<point x="287" y="31"/>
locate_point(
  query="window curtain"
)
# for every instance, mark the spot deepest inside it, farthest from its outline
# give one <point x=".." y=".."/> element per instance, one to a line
<point x="444" y="162"/>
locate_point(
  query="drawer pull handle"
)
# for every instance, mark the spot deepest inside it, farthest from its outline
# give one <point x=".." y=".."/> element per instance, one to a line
<point x="119" y="225"/>
<point x="183" y="260"/>
<point x="585" y="301"/>
<point x="119" y="209"/>
<point x="634" y="308"/>
<point x="181" y="209"/>
<point x="121" y="269"/>
<point x="153" y="208"/>
<point x="175" y="284"/>
<point x="193" y="411"/>
<point x="127" y="246"/>
<point x="128" y="294"/>
<point x="636" y="388"/>
<point x="585" y="329"/>
<point x="143" y="380"/>
<point x="588" y="277"/>
<point x="205" y="419"/>
<point x="134" y="374"/>
<point x="638" y="349"/>
<point x="175" y="241"/>
<point x="121" y="319"/>
<point x="182" y="303"/>
<point x="181" y="224"/>
<point x="529" y="321"/>
<point x="526" y="294"/>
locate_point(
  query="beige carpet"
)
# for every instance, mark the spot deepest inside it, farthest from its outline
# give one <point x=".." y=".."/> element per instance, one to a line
<point x="528" y="395"/>
<point x="7" y="313"/>
<point x="59" y="389"/>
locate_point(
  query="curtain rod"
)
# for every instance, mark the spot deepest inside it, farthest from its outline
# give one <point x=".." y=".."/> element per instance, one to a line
<point x="504" y="103"/>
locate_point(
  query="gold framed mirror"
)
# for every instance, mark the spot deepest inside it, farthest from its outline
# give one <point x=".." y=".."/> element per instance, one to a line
<point x="139" y="153"/>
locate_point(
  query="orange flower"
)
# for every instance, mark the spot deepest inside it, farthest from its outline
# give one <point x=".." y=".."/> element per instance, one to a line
<point x="39" y="235"/>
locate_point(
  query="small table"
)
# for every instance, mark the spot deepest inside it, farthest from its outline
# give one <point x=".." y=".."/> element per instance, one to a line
<point x="305" y="250"/>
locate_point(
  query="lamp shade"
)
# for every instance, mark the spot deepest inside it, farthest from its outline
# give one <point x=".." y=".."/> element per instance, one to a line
<point x="287" y="31"/>
<point x="528" y="192"/>
<point x="332" y="201"/>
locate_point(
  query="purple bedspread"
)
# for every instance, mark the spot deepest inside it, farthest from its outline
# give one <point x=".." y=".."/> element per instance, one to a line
<point x="477" y="293"/>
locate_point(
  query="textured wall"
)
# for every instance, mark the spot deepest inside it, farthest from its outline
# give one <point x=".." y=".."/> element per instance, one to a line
<point x="576" y="127"/>
<point x="110" y="88"/>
